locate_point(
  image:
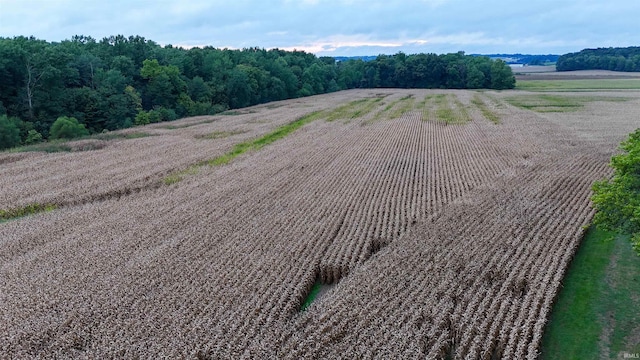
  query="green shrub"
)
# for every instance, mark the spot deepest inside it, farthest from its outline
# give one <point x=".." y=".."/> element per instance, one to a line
<point x="33" y="137"/>
<point x="166" y="114"/>
<point x="154" y="116"/>
<point x="67" y="128"/>
<point x="142" y="118"/>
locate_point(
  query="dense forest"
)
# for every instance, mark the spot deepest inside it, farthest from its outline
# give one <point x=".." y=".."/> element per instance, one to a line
<point x="89" y="86"/>
<point x="616" y="59"/>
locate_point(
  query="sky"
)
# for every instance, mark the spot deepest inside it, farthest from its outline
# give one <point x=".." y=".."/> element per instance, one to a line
<point x="338" y="27"/>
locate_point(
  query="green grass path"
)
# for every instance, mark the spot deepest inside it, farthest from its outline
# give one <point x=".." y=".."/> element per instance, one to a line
<point x="597" y="313"/>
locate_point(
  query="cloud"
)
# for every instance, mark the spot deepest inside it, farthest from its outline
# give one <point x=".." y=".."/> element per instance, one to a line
<point x="337" y="27"/>
<point x="335" y="42"/>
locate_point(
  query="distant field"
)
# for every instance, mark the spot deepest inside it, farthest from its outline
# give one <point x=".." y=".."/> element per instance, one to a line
<point x="550" y="71"/>
<point x="562" y="102"/>
<point x="578" y="84"/>
<point x="534" y="69"/>
<point x="377" y="223"/>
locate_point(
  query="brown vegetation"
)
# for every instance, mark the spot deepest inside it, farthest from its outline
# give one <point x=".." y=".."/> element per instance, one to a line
<point x="445" y="239"/>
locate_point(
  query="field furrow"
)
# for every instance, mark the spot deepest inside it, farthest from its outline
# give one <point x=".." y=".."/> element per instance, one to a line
<point x="444" y="233"/>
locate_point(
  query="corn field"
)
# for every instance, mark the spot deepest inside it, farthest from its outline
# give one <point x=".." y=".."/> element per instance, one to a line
<point x="444" y="232"/>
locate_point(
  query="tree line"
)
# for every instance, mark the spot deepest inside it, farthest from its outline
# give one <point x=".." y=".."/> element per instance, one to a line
<point x="527" y="59"/>
<point x="120" y="81"/>
<point x="615" y="59"/>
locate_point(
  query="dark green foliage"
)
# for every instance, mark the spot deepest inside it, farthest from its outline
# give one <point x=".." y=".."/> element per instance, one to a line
<point x="142" y="118"/>
<point x="9" y="133"/>
<point x="501" y="76"/>
<point x="156" y="115"/>
<point x="24" y="128"/>
<point x="165" y="84"/>
<point x="120" y="81"/>
<point x="475" y="78"/>
<point x="33" y="137"/>
<point x="615" y="59"/>
<point x="67" y="128"/>
<point x="199" y="90"/>
<point x="453" y="71"/>
<point x="618" y="199"/>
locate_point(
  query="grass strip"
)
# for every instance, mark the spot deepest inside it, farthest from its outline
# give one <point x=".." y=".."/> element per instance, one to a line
<point x="462" y="115"/>
<point x="386" y="109"/>
<point x="53" y="146"/>
<point x="313" y="294"/>
<point x="556" y="103"/>
<point x="596" y="313"/>
<point x="426" y="105"/>
<point x="546" y="102"/>
<point x="448" y="115"/>
<point x="399" y="106"/>
<point x="354" y="109"/>
<point x="245" y="146"/>
<point x="15" y="213"/>
<point x="578" y="85"/>
<point x="445" y="113"/>
<point x="406" y="104"/>
<point x="484" y="109"/>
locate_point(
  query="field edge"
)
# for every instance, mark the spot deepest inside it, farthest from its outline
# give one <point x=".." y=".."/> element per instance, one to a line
<point x="592" y="317"/>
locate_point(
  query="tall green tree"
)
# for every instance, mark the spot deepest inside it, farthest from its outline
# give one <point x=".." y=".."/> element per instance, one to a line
<point x="85" y="104"/>
<point x="502" y="76"/>
<point x="9" y="133"/>
<point x="239" y="89"/>
<point x="199" y="90"/>
<point x="617" y="200"/>
<point x="280" y="69"/>
<point x="164" y="84"/>
<point x="313" y="78"/>
<point x="475" y="78"/>
<point x="67" y="128"/>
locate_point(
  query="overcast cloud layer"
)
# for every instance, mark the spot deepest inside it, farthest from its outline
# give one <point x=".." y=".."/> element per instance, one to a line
<point x="338" y="27"/>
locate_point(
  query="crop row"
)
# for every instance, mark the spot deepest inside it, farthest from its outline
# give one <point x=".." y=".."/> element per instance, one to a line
<point x="476" y="281"/>
<point x="443" y="239"/>
<point x="131" y="164"/>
